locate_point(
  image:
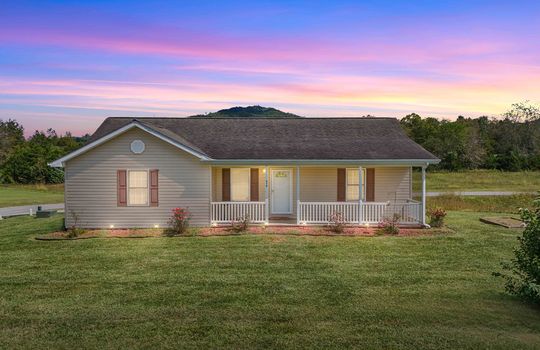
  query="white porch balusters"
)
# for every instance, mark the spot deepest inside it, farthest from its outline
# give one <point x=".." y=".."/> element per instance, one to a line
<point x="424" y="196"/>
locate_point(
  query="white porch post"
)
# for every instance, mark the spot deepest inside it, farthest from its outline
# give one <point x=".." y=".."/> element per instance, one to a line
<point x="211" y="195"/>
<point x="298" y="195"/>
<point x="424" y="195"/>
<point x="360" y="203"/>
<point x="266" y="205"/>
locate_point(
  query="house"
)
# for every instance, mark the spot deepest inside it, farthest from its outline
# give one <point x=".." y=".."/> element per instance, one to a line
<point x="133" y="172"/>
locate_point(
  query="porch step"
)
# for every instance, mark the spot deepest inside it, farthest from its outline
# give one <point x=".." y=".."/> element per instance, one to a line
<point x="281" y="218"/>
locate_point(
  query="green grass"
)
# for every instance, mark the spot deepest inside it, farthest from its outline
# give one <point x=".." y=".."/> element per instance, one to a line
<point x="480" y="180"/>
<point x="494" y="204"/>
<point x="430" y="292"/>
<point x="13" y="195"/>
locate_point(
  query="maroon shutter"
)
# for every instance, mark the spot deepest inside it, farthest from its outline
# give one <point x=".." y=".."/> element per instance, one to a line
<point x="370" y="185"/>
<point x="254" y="185"/>
<point x="154" y="188"/>
<point x="341" y="178"/>
<point x="121" y="188"/>
<point x="226" y="185"/>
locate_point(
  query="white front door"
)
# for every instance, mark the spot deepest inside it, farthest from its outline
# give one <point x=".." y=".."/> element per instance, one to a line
<point x="281" y="192"/>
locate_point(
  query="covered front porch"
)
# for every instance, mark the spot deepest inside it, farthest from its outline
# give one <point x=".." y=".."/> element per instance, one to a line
<point x="295" y="194"/>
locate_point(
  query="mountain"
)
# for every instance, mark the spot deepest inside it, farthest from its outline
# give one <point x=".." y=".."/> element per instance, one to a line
<point x="248" y="112"/>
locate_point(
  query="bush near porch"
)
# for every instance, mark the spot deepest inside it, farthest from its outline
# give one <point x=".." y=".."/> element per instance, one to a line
<point x="251" y="291"/>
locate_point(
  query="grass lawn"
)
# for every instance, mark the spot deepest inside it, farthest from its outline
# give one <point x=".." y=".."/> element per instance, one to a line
<point x="479" y="180"/>
<point x="494" y="204"/>
<point x="12" y="195"/>
<point x="430" y="292"/>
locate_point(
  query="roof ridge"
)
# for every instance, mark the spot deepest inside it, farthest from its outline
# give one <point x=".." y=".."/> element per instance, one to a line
<point x="254" y="118"/>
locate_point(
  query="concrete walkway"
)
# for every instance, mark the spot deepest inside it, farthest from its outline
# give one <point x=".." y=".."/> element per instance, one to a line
<point x="25" y="209"/>
<point x="473" y="193"/>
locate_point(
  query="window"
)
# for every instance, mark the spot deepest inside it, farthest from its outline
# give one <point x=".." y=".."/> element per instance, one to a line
<point x="352" y="184"/>
<point x="137" y="187"/>
<point x="240" y="184"/>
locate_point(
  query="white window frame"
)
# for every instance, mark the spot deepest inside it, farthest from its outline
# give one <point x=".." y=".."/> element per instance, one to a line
<point x="347" y="184"/>
<point x="147" y="171"/>
<point x="248" y="184"/>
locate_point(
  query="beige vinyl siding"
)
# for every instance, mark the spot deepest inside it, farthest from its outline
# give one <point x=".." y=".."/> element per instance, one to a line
<point x="91" y="191"/>
<point x="392" y="183"/>
<point x="319" y="184"/>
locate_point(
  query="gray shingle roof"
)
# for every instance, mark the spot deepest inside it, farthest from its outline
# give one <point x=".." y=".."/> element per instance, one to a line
<point x="284" y="138"/>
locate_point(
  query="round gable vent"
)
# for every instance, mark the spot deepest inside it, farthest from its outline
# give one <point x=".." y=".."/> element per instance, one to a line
<point x="137" y="146"/>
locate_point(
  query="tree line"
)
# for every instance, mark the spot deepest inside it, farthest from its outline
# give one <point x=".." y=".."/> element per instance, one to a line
<point x="25" y="160"/>
<point x="511" y="142"/>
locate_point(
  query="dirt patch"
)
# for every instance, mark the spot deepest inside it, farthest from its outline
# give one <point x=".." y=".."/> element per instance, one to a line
<point x="504" y="221"/>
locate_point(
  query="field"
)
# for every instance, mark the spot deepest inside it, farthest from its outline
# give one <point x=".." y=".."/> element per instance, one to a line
<point x="13" y="195"/>
<point x="426" y="292"/>
<point x="494" y="204"/>
<point x="479" y="180"/>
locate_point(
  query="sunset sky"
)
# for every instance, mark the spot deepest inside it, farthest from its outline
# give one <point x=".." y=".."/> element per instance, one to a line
<point x="69" y="64"/>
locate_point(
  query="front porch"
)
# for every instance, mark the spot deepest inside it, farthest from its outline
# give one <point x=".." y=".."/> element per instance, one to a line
<point x="310" y="195"/>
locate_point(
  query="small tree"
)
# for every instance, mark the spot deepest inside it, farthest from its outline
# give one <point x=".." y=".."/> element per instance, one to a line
<point x="179" y="222"/>
<point x="336" y="222"/>
<point x="74" y="230"/>
<point x="523" y="271"/>
<point x="389" y="224"/>
<point x="241" y="223"/>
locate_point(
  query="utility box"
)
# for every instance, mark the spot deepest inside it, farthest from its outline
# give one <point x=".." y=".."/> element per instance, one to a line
<point x="45" y="213"/>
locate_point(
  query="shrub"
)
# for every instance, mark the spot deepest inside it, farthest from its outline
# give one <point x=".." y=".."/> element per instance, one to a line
<point x="74" y="231"/>
<point x="523" y="271"/>
<point x="336" y="223"/>
<point x="179" y="222"/>
<point x="389" y="225"/>
<point x="436" y="217"/>
<point x="241" y="224"/>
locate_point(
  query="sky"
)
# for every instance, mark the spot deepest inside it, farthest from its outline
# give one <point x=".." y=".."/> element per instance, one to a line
<point x="68" y="65"/>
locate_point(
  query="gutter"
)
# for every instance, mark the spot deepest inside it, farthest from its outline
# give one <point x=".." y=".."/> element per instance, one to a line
<point x="328" y="162"/>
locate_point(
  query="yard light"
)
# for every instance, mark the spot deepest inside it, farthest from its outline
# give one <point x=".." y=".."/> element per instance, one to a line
<point x="111" y="226"/>
<point x="266" y="223"/>
<point x="156" y="226"/>
<point x="214" y="224"/>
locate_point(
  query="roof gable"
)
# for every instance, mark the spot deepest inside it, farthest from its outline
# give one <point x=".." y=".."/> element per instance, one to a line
<point x="159" y="133"/>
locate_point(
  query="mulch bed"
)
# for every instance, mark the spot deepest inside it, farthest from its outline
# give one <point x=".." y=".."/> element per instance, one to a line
<point x="255" y="230"/>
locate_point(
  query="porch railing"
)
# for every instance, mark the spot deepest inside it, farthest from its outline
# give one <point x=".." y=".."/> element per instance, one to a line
<point x="371" y="213"/>
<point x="320" y="212"/>
<point x="227" y="212"/>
